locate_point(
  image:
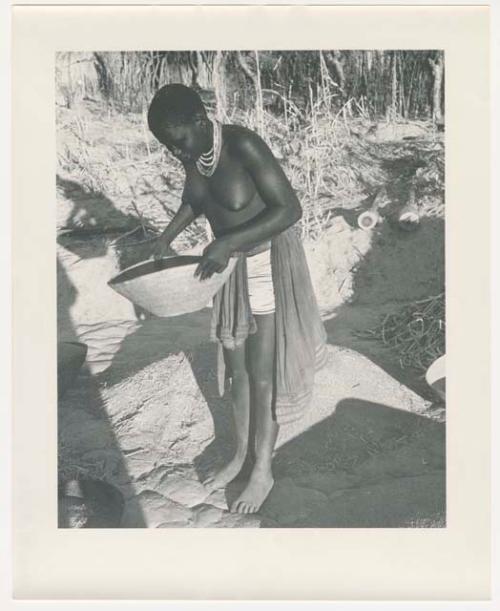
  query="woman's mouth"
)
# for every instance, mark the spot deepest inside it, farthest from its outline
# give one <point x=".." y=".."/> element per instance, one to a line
<point x="182" y="155"/>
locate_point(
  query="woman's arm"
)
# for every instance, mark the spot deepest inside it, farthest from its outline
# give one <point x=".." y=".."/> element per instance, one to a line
<point x="282" y="205"/>
<point x="184" y="216"/>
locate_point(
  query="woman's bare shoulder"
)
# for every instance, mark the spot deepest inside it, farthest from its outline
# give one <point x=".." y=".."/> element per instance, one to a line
<point x="233" y="132"/>
<point x="244" y="142"/>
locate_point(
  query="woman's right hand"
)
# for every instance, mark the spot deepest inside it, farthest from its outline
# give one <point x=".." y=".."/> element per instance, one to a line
<point x="161" y="248"/>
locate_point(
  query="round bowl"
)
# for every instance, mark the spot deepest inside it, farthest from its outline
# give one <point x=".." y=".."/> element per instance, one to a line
<point x="168" y="287"/>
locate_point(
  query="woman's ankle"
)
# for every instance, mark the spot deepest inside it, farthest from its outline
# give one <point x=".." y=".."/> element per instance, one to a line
<point x="263" y="465"/>
<point x="240" y="453"/>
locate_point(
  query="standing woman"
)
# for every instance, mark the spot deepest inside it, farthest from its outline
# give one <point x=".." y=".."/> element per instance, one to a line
<point x="265" y="317"/>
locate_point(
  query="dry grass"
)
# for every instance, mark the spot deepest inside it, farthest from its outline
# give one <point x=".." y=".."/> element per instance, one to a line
<point x="325" y="155"/>
<point x="416" y="332"/>
<point x="116" y="158"/>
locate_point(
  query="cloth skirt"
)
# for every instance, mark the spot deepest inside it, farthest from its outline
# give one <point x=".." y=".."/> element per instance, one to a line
<point x="260" y="283"/>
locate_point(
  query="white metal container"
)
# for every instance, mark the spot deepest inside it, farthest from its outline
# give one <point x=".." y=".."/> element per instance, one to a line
<point x="436" y="376"/>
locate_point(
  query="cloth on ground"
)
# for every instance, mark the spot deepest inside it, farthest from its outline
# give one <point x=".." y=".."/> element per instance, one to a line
<point x="300" y="346"/>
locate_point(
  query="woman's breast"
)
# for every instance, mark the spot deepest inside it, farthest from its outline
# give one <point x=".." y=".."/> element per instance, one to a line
<point x="233" y="189"/>
<point x="228" y="199"/>
<point x="223" y="217"/>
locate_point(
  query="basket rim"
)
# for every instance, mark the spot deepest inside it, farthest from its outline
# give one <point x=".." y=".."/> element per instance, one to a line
<point x="156" y="267"/>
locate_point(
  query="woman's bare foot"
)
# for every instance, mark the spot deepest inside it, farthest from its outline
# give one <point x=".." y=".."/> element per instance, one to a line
<point x="222" y="478"/>
<point x="257" y="490"/>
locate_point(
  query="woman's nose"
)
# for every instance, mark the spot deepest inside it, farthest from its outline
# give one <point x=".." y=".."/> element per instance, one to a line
<point x="177" y="136"/>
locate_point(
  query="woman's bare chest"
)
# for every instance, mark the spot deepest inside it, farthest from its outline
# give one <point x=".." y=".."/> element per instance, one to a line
<point x="230" y="188"/>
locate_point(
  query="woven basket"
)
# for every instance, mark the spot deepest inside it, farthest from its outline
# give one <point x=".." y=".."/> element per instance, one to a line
<point x="168" y="287"/>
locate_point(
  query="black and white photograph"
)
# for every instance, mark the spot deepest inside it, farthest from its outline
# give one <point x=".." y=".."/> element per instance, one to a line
<point x="251" y="316"/>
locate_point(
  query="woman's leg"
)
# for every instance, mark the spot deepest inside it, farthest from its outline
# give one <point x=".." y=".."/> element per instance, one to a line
<point x="240" y="393"/>
<point x="260" y="364"/>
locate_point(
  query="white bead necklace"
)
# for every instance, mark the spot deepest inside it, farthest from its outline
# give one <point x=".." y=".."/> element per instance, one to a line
<point x="207" y="162"/>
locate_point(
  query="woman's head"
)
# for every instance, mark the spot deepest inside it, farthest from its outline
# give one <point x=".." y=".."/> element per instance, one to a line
<point x="179" y="120"/>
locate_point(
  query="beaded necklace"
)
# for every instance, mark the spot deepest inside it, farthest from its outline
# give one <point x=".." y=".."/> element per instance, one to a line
<point x="207" y="162"/>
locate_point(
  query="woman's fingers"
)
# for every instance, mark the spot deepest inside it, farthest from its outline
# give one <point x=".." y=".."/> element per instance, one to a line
<point x="159" y="250"/>
<point x="202" y="270"/>
<point x="156" y="254"/>
<point x="208" y="268"/>
<point x="217" y="268"/>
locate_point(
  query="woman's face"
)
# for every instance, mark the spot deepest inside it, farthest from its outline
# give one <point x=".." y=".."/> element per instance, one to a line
<point x="184" y="140"/>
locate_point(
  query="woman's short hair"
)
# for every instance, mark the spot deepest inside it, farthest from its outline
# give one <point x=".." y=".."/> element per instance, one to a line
<point x="176" y="104"/>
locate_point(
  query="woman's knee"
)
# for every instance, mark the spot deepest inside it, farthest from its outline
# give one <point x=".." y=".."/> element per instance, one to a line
<point x="261" y="380"/>
<point x="239" y="375"/>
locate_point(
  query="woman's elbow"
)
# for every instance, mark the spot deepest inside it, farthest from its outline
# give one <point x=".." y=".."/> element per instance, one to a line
<point x="296" y="214"/>
<point x="290" y="215"/>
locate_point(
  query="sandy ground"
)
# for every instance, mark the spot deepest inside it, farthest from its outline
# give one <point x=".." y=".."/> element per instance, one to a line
<point x="152" y="424"/>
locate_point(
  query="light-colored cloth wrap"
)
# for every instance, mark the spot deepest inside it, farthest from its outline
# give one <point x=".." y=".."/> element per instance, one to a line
<point x="260" y="283"/>
<point x="300" y="346"/>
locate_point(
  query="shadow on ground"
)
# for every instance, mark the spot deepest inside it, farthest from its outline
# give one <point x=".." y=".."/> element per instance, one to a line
<point x="91" y="210"/>
<point x="401" y="267"/>
<point x="366" y="466"/>
<point x="78" y="455"/>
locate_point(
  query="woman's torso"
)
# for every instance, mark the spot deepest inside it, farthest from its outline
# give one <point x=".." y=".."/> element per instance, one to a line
<point x="229" y="198"/>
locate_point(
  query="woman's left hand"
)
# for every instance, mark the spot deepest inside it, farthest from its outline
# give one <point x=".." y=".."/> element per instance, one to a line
<point x="214" y="259"/>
